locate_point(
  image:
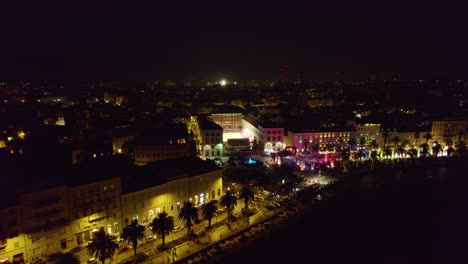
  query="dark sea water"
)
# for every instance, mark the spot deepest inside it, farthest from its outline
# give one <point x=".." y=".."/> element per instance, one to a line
<point x="417" y="215"/>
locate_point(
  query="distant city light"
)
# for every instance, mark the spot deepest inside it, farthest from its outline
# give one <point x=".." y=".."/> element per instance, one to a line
<point x="222" y="82"/>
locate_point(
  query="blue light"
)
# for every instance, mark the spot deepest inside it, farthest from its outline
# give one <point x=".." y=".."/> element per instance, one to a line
<point x="250" y="161"/>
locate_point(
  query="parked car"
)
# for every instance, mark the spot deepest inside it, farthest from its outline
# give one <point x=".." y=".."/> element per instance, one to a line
<point x="151" y="238"/>
<point x="123" y="249"/>
<point x="76" y="249"/>
<point x="177" y="229"/>
<point x="91" y="260"/>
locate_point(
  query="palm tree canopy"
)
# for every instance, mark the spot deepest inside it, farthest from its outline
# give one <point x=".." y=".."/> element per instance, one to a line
<point x="102" y="246"/>
<point x="209" y="210"/>
<point x="246" y="193"/>
<point x="228" y="200"/>
<point x="405" y="143"/>
<point x="396" y="140"/>
<point x="374" y="144"/>
<point x="449" y="142"/>
<point x="427" y="136"/>
<point x="188" y="213"/>
<point x="133" y="232"/>
<point x="162" y="224"/>
<point x="64" y="258"/>
<point x="362" y="141"/>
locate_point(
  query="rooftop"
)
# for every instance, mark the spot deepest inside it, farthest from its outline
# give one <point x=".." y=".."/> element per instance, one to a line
<point x="159" y="172"/>
<point x="206" y="124"/>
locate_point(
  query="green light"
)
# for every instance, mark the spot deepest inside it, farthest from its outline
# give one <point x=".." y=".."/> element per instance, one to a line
<point x="10" y="139"/>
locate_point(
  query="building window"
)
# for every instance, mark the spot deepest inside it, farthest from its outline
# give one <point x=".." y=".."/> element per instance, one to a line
<point x="63" y="244"/>
<point x="178" y="206"/>
<point x="172" y="207"/>
<point x="213" y="194"/>
<point x="219" y="192"/>
<point x="116" y="226"/>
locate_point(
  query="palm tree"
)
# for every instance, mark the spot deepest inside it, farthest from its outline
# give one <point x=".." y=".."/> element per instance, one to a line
<point x="460" y="134"/>
<point x="246" y="194"/>
<point x="352" y="143"/>
<point x="102" y="246"/>
<point x="133" y="233"/>
<point x="228" y="200"/>
<point x="64" y="258"/>
<point x="209" y="210"/>
<point x="416" y="137"/>
<point x="362" y="141"/>
<point x="305" y="145"/>
<point x="163" y="224"/>
<point x="395" y="140"/>
<point x="413" y="152"/>
<point x="436" y="148"/>
<point x="345" y="155"/>
<point x="340" y="143"/>
<point x="189" y="214"/>
<point x="427" y="136"/>
<point x="425" y="149"/>
<point x="374" y="144"/>
<point x="385" y="135"/>
<point x="461" y="148"/>
<point x="449" y="142"/>
<point x="405" y="143"/>
<point x="387" y="152"/>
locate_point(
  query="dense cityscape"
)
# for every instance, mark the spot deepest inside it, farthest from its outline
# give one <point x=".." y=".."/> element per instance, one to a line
<point x="117" y="156"/>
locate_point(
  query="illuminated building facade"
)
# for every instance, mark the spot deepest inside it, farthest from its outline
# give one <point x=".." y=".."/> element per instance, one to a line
<point x="456" y="130"/>
<point x="144" y="204"/>
<point x="318" y="139"/>
<point x="271" y="136"/>
<point x="231" y="122"/>
<point x="250" y="127"/>
<point x="12" y="240"/>
<point x="93" y="206"/>
<point x="45" y="220"/>
<point x="211" y="138"/>
<point x="368" y="131"/>
<point x="59" y="215"/>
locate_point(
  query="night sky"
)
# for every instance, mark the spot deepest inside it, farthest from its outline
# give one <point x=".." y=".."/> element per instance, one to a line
<point x="234" y="40"/>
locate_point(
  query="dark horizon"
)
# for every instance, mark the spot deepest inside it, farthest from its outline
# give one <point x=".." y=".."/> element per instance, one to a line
<point x="118" y="42"/>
